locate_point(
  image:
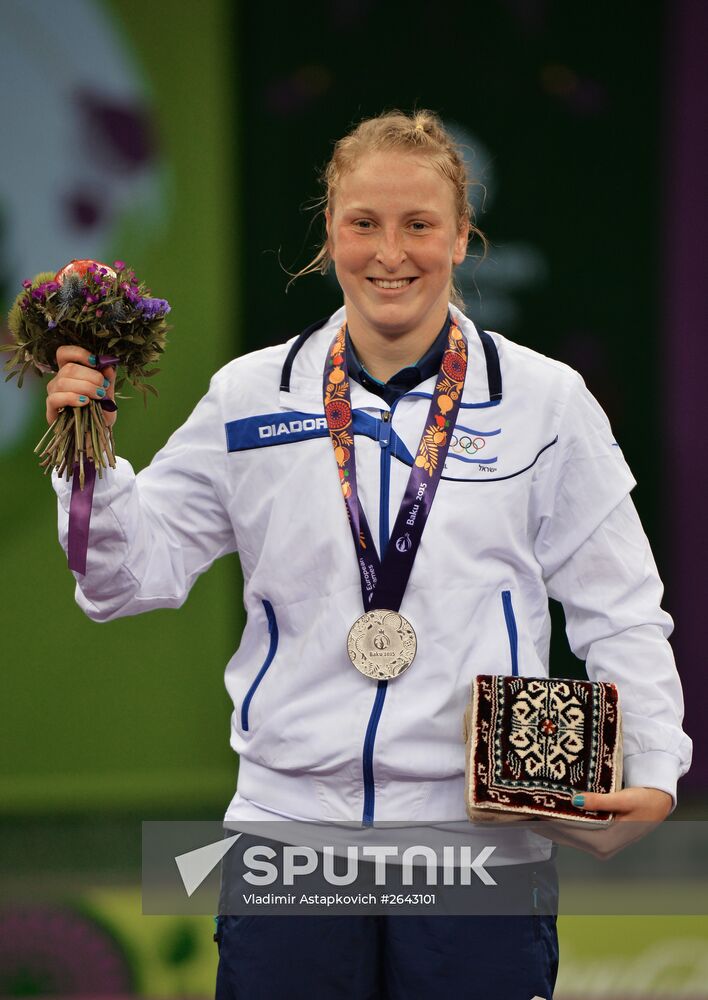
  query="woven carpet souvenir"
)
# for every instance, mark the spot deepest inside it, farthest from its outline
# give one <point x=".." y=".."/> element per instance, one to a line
<point x="532" y="743"/>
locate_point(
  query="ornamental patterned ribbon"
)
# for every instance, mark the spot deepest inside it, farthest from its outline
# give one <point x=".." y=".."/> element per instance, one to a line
<point x="82" y="499"/>
<point x="383" y="583"/>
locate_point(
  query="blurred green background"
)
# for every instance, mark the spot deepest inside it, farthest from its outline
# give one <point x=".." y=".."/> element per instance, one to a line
<point x="106" y="726"/>
<point x="133" y="714"/>
<point x="186" y="140"/>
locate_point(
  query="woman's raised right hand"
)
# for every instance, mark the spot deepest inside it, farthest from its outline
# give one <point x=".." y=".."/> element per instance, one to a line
<point x="77" y="382"/>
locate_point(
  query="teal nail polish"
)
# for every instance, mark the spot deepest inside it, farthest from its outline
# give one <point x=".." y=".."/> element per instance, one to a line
<point x="579" y="800"/>
<point x="100" y="392"/>
<point x="82" y="399"/>
<point x="106" y="383"/>
<point x="92" y="359"/>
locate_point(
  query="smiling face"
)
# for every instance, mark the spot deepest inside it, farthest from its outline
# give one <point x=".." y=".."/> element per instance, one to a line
<point x="394" y="238"/>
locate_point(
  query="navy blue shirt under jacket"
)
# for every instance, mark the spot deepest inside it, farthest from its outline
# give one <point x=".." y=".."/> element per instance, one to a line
<point x="405" y="379"/>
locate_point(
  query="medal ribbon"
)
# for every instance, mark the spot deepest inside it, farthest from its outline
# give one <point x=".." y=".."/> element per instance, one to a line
<point x="383" y="583"/>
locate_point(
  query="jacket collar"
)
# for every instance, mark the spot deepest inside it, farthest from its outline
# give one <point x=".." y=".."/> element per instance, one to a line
<point x="301" y="376"/>
<point x="405" y="379"/>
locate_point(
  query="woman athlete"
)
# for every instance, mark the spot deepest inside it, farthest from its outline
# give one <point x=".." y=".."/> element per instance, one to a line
<point x="308" y="459"/>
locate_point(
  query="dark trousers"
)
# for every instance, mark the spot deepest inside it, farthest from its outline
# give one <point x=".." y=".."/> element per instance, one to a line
<point x="386" y="957"/>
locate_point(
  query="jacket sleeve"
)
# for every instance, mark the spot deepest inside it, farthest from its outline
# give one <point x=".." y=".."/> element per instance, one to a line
<point x="152" y="534"/>
<point x="598" y="563"/>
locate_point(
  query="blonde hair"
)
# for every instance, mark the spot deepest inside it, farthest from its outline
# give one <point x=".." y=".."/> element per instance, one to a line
<point x="421" y="132"/>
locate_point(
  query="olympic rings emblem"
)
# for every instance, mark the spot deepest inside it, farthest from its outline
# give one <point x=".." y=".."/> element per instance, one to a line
<point x="466" y="444"/>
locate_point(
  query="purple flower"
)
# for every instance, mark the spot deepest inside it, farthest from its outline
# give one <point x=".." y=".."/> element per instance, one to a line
<point x="119" y="265"/>
<point x="51" y="324"/>
<point x="150" y="308"/>
<point x="131" y="294"/>
<point x="36" y="293"/>
<point x="46" y="288"/>
<point x="26" y="283"/>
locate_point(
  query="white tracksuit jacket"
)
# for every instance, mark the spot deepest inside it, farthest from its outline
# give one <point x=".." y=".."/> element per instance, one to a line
<point x="533" y="502"/>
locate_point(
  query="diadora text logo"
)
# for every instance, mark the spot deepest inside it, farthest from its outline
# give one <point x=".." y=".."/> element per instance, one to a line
<point x="292" y="427"/>
<point x="268" y="429"/>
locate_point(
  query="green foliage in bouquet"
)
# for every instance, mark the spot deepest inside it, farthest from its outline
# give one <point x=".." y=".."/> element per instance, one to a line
<point x="106" y="311"/>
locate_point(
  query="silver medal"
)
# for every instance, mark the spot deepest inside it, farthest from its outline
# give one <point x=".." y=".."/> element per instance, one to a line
<point x="381" y="644"/>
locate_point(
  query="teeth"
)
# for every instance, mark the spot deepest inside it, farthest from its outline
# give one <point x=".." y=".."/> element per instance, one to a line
<point x="400" y="283"/>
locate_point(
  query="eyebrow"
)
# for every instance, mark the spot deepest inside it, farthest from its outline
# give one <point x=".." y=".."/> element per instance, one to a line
<point x="362" y="210"/>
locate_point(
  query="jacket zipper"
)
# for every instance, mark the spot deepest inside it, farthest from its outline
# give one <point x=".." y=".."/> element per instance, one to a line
<point x="384" y="436"/>
<point x="385" y="443"/>
<point x="512" y="632"/>
<point x="273" y="630"/>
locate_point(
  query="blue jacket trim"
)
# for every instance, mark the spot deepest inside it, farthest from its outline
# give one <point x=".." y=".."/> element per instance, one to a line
<point x="382" y="431"/>
<point x="273" y="630"/>
<point x="479" y="461"/>
<point x="471" y="430"/>
<point x="267" y="429"/>
<point x="463" y="406"/>
<point x="512" y="632"/>
<point x="289" y="427"/>
<point x="367" y="818"/>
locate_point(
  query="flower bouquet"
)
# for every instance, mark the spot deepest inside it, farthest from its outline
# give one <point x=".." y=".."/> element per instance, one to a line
<point x="107" y="311"/>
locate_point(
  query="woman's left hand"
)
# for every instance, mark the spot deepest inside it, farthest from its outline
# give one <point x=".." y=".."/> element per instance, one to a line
<point x="635" y="804"/>
<point x="637" y="811"/>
